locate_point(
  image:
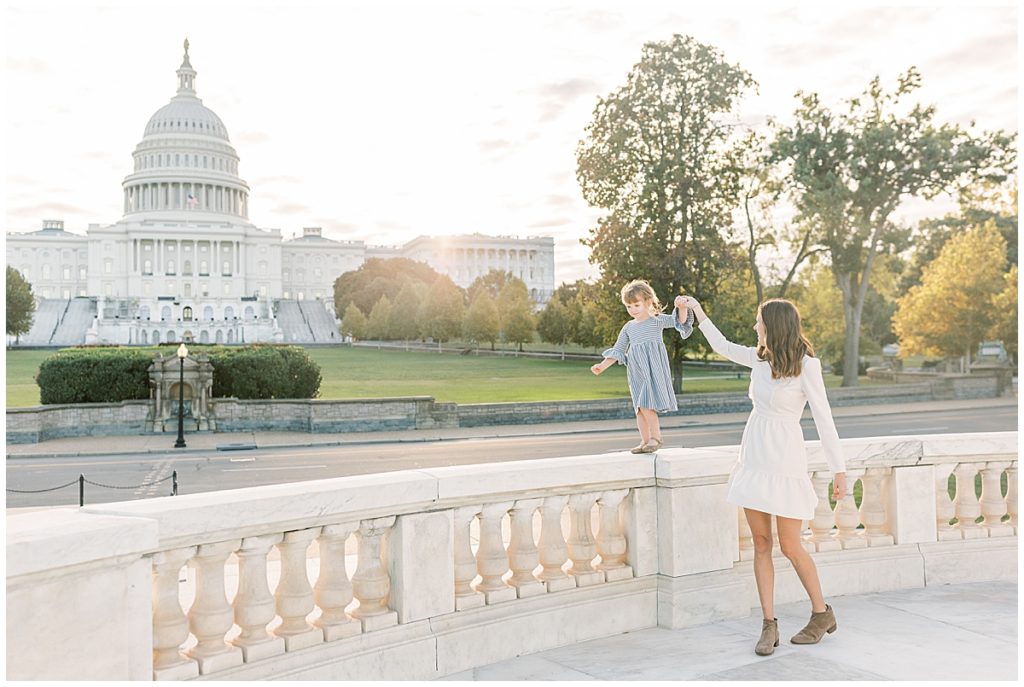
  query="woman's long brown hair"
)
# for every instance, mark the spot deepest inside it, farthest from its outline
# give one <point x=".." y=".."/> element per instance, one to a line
<point x="784" y="342"/>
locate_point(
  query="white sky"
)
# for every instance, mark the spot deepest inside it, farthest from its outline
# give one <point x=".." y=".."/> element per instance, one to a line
<point x="382" y="121"/>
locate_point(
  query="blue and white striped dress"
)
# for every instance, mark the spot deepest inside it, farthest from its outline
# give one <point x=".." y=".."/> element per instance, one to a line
<point x="642" y="350"/>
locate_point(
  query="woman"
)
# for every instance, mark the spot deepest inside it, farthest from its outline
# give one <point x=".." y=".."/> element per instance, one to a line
<point x="770" y="477"/>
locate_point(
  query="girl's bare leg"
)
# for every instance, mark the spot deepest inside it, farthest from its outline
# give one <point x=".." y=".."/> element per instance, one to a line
<point x="641" y="424"/>
<point x="653" y="423"/>
<point x="764" y="570"/>
<point x="792" y="548"/>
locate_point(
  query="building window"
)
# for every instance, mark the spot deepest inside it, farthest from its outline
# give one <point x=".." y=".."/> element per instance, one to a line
<point x="287" y="295"/>
<point x="226" y="268"/>
<point x="147" y="267"/>
<point x="66" y="294"/>
<point x="286" y="275"/>
<point x="46" y="271"/>
<point x="108" y="266"/>
<point x="66" y="273"/>
<point x="108" y="289"/>
<point x="318" y="273"/>
<point x="227" y="288"/>
<point x="170" y="288"/>
<point x="204" y="289"/>
<point x="204" y="269"/>
<point x="170" y="267"/>
<point x="186" y="268"/>
<point x="229" y="312"/>
<point x="186" y="313"/>
<point x="188" y="289"/>
<point x="147" y="289"/>
<point x="263" y="290"/>
<point x="81" y="273"/>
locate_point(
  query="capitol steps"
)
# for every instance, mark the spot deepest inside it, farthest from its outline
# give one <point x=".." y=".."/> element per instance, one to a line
<point x="74" y="322"/>
<point x="44" y="322"/>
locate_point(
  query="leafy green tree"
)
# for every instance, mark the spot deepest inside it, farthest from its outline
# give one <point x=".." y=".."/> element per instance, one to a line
<point x="403" y="322"/>
<point x="658" y="158"/>
<point x="515" y="311"/>
<point x="554" y="323"/>
<point x="1004" y="313"/>
<point x="20" y="304"/>
<point x="353" y="322"/>
<point x="481" y="322"/>
<point x="380" y="317"/>
<point x="951" y="311"/>
<point x="849" y="171"/>
<point x="492" y="282"/>
<point x="442" y="311"/>
<point x="376" y="277"/>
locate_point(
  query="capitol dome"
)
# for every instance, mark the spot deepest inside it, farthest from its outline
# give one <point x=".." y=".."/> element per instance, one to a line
<point x="185" y="161"/>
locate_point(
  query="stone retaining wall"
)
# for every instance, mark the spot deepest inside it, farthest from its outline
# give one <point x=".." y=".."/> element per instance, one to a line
<point x="30" y="425"/>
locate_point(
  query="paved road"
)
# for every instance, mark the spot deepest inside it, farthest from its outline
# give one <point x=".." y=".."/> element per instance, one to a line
<point x="216" y="470"/>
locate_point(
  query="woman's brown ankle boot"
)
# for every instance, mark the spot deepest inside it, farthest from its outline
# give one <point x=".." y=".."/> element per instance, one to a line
<point x="819" y="624"/>
<point x="769" y="637"/>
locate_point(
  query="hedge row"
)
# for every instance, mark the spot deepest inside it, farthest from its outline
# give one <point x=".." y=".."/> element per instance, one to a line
<point x="110" y="375"/>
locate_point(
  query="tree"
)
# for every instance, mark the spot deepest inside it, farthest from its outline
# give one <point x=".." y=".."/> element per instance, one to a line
<point x="380" y="316"/>
<point x="659" y="160"/>
<point x="403" y="321"/>
<point x="850" y="171"/>
<point x="1004" y="313"/>
<point x="492" y="282"/>
<point x="441" y="313"/>
<point x="951" y="311"/>
<point x="516" y="313"/>
<point x="376" y="277"/>
<point x="554" y="324"/>
<point x="586" y="309"/>
<point x="481" y="322"/>
<point x="20" y="304"/>
<point x="353" y="322"/>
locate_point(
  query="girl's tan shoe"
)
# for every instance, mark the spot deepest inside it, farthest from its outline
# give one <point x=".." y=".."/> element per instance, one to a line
<point x="817" y="627"/>
<point x="769" y="637"/>
<point x="651" y="446"/>
<point x="639" y="448"/>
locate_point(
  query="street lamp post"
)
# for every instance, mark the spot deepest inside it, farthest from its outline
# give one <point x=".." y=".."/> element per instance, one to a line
<point x="182" y="354"/>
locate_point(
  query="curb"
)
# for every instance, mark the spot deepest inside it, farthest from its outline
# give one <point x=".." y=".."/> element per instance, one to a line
<point x="537" y="430"/>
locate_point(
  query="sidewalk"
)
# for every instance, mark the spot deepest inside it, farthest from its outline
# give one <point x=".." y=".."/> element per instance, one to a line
<point x="945" y="632"/>
<point x="210" y="441"/>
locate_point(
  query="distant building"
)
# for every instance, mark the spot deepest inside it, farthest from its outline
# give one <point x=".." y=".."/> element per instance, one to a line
<point x="185" y="262"/>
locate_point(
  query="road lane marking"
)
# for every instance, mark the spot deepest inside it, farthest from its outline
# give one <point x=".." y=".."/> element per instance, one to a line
<point x="243" y="460"/>
<point x="286" y="467"/>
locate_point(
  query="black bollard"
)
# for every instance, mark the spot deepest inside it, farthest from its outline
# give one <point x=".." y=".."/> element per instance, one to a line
<point x="174" y="483"/>
<point x="81" y="490"/>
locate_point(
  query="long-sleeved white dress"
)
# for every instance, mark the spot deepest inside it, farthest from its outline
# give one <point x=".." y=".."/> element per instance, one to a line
<point x="771" y="473"/>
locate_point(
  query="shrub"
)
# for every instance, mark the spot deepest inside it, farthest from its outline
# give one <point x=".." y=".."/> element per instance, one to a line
<point x="111" y="375"/>
<point x="100" y="375"/>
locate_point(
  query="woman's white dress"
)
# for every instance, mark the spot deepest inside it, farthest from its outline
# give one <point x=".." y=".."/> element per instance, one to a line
<point x="771" y="473"/>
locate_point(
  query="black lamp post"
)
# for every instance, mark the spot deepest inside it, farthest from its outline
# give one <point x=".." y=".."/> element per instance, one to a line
<point x="182" y="354"/>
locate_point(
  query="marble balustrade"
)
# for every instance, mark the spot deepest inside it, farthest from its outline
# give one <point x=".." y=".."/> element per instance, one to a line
<point x="320" y="580"/>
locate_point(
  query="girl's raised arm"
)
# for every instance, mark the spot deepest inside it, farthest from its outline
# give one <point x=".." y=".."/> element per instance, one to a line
<point x="685" y="328"/>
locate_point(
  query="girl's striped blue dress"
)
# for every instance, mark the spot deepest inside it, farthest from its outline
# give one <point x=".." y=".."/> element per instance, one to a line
<point x="642" y="350"/>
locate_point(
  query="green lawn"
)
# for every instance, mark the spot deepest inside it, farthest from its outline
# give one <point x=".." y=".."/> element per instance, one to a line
<point x="368" y="373"/>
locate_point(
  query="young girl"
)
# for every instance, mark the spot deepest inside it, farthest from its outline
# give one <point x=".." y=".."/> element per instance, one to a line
<point x="642" y="350"/>
<point x="770" y="477"/>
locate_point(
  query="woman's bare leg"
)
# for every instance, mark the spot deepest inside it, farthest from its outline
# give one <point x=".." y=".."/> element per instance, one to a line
<point x="792" y="548"/>
<point x="764" y="570"/>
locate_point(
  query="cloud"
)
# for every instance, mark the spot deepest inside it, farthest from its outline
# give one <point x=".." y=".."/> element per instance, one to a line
<point x="555" y="97"/>
<point x="252" y="137"/>
<point x="99" y="155"/>
<point x="1000" y="50"/>
<point x="560" y="201"/>
<point x="552" y="222"/>
<point x="494" y="145"/>
<point x="50" y="210"/>
<point x="292" y="209"/>
<point x="279" y="179"/>
<point x="29" y="65"/>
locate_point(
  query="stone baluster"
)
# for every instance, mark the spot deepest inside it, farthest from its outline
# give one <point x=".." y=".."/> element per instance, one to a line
<point x="294" y="594"/>
<point x="254" y="604"/>
<point x="824" y="519"/>
<point x="872" y="507"/>
<point x="553" y="550"/>
<point x="1011" y="495"/>
<point x="611" y="536"/>
<point x="848" y="517"/>
<point x="522" y="551"/>
<point x="465" y="562"/>
<point x="993" y="506"/>
<point x="944" y="508"/>
<point x="582" y="546"/>
<point x="170" y="626"/>
<point x="491" y="557"/>
<point x="210" y="616"/>
<point x="968" y="508"/>
<point x="371" y="583"/>
<point x="746" y="537"/>
<point x="333" y="590"/>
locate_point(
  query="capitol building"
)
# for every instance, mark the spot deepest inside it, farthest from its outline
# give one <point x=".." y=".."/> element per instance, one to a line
<point x="184" y="263"/>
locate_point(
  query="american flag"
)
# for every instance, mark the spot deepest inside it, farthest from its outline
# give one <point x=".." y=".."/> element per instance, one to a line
<point x="192" y="201"/>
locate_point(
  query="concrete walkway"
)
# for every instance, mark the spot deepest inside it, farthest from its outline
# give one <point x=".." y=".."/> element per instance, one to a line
<point x="951" y="632"/>
<point x="209" y="441"/>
